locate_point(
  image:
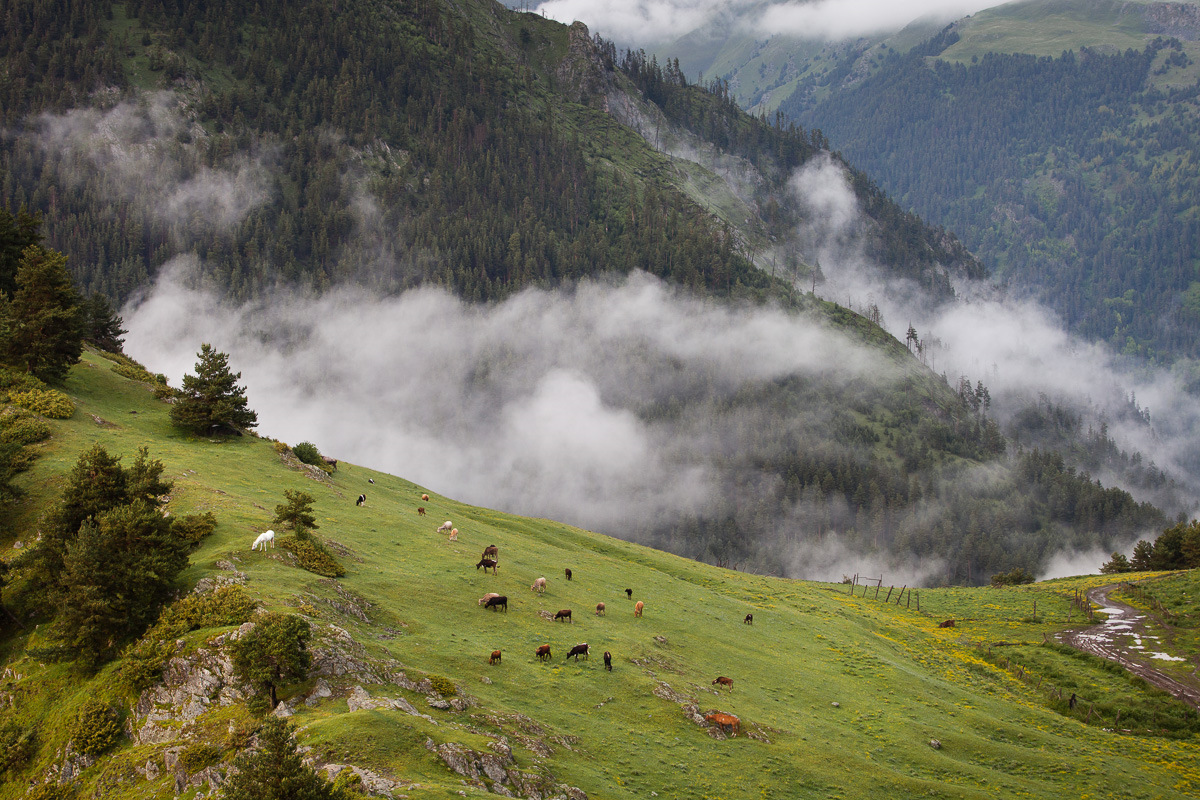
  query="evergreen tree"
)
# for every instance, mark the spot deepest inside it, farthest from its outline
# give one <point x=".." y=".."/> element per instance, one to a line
<point x="296" y="513"/>
<point x="116" y="574"/>
<point x="16" y="233"/>
<point x="1143" y="556"/>
<point x="44" y="323"/>
<point x="102" y="324"/>
<point x="1117" y="564"/>
<point x="273" y="653"/>
<point x="97" y="484"/>
<point x="212" y="401"/>
<point x="275" y="771"/>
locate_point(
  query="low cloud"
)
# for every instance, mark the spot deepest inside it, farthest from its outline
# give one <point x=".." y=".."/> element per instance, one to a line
<point x="553" y="404"/>
<point x="658" y="21"/>
<point x="148" y="152"/>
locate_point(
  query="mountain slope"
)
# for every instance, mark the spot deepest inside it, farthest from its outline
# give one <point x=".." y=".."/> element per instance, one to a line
<point x="836" y="694"/>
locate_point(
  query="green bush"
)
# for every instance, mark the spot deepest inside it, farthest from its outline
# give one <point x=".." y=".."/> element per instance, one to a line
<point x="135" y="372"/>
<point x="308" y="453"/>
<point x="199" y="755"/>
<point x="97" y="728"/>
<point x="51" y="791"/>
<point x="12" y="380"/>
<point x="18" y="745"/>
<point x="443" y="685"/>
<point x="228" y="605"/>
<point x="47" y="402"/>
<point x="194" y="527"/>
<point x="313" y="556"/>
<point x="18" y="426"/>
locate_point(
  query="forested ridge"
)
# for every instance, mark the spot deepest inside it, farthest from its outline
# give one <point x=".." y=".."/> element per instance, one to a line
<point x="1072" y="177"/>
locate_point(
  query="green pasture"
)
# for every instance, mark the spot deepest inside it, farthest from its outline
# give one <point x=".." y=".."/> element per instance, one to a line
<point x="1049" y="28"/>
<point x="839" y="695"/>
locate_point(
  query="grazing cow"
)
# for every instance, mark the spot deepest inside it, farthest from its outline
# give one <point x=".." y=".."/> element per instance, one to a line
<point x="568" y="573"/>
<point x="264" y="539"/>
<point x="538" y="586"/>
<point x="332" y="462"/>
<point x="629" y="593"/>
<point x="495" y="602"/>
<point x="564" y="614"/>
<point x="723" y="681"/>
<point x="749" y="620"/>
<point x="487" y="597"/>
<point x="362" y="498"/>
<point x="445" y="527"/>
<point x="608" y="661"/>
<point x="947" y="624"/>
<point x="543" y="652"/>
<point x="371" y="481"/>
<point x="637" y="609"/>
<point x="580" y="650"/>
<point x="599" y="609"/>
<point x="495" y="659"/>
<point x="421" y="511"/>
<point x="453" y="537"/>
<point x="487" y="564"/>
<point x="425" y="497"/>
<point x="491" y="551"/>
<point x="726" y="722"/>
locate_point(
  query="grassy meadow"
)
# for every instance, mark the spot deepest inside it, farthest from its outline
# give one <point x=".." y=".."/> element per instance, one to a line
<point x="839" y="694"/>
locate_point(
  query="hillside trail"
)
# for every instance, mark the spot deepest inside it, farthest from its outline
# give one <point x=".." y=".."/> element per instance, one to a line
<point x="1124" y="637"/>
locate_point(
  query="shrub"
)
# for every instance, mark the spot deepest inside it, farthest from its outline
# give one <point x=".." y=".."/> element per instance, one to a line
<point x="281" y="447"/>
<point x="164" y="392"/>
<point x="1014" y="577"/>
<point x="308" y="453"/>
<point x="21" y="427"/>
<point x="313" y="556"/>
<point x="443" y="685"/>
<point x="199" y="755"/>
<point x="12" y="380"/>
<point x="47" y="402"/>
<point x="18" y="745"/>
<point x="97" y="728"/>
<point x="52" y="791"/>
<point x="194" y="527"/>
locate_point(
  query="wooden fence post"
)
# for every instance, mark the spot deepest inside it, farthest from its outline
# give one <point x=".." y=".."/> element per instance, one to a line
<point x="902" y="588"/>
<point x="889" y="596"/>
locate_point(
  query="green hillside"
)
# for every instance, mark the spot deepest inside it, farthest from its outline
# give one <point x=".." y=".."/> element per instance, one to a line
<point x="838" y="694"/>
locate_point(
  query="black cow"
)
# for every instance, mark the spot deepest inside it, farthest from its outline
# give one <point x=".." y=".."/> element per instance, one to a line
<point x="579" y="650"/>
<point x="495" y="602"/>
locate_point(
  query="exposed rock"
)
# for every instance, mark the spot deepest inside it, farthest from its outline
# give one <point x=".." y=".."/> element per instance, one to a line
<point x="359" y="699"/>
<point x="372" y="782"/>
<point x="436" y="702"/>
<point x="319" y="692"/>
<point x="581" y="73"/>
<point x="498" y="769"/>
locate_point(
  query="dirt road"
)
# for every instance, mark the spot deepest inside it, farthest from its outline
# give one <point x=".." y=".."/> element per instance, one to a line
<point x="1123" y="637"/>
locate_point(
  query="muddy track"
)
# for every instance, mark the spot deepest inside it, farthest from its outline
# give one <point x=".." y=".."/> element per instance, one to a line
<point x="1120" y="638"/>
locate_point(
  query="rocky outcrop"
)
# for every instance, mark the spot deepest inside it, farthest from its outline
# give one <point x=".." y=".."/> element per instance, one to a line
<point x="498" y="773"/>
<point x="581" y="74"/>
<point x="1179" y="20"/>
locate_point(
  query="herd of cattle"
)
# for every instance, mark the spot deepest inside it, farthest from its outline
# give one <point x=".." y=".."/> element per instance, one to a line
<point x="490" y="560"/>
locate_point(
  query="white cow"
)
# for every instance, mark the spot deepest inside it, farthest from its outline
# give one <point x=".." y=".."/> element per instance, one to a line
<point x="446" y="526"/>
<point x="265" y="538"/>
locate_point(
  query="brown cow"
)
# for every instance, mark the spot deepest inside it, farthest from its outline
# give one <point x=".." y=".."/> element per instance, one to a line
<point x="723" y="681"/>
<point x="487" y="564"/>
<point x="495" y="659"/>
<point x="749" y="620"/>
<point x="947" y="624"/>
<point x="568" y="573"/>
<point x="543" y="653"/>
<point x="608" y="661"/>
<point x="491" y="551"/>
<point x="421" y="511"/>
<point x="425" y="497"/>
<point x="726" y="722"/>
<point x="637" y="609"/>
<point x="579" y="650"/>
<point x="564" y="614"/>
<point x="599" y="609"/>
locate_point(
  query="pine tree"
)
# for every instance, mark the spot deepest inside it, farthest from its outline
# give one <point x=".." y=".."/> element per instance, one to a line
<point x="273" y="653"/>
<point x="102" y="324"/>
<point x="212" y="402"/>
<point x="275" y="771"/>
<point x="17" y="232"/>
<point x="44" y="325"/>
<point x="296" y="513"/>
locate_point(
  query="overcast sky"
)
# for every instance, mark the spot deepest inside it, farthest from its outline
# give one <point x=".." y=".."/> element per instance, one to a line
<point x="647" y="22"/>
